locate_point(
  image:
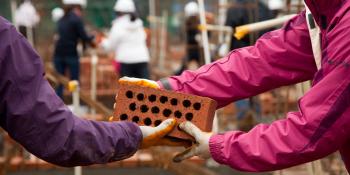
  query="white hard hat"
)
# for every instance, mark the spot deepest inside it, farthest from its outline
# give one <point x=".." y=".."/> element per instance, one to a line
<point x="57" y="13"/>
<point x="276" y="4"/>
<point x="82" y="3"/>
<point x="191" y="9"/>
<point x="126" y="6"/>
<point x="26" y="15"/>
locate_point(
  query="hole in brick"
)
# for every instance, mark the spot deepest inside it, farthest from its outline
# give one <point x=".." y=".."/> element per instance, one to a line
<point x="163" y="99"/>
<point x="136" y="119"/>
<point x="189" y="116"/>
<point x="144" y="108"/>
<point x="147" y="121"/>
<point x="178" y="114"/>
<point x="132" y="106"/>
<point x="129" y="94"/>
<point x="155" y="110"/>
<point x="157" y="122"/>
<point x="173" y="101"/>
<point x="140" y="97"/>
<point x="167" y="112"/>
<point x="186" y="103"/>
<point x="197" y="106"/>
<point x="123" y="117"/>
<point x="152" y="98"/>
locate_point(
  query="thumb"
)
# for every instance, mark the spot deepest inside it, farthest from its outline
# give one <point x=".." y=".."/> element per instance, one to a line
<point x="188" y="153"/>
<point x="191" y="129"/>
<point x="160" y="131"/>
<point x="165" y="127"/>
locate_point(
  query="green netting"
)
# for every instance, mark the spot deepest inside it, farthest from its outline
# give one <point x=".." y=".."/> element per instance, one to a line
<point x="5" y="9"/>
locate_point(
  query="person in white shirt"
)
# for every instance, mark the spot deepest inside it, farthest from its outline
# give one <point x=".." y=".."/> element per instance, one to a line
<point x="128" y="39"/>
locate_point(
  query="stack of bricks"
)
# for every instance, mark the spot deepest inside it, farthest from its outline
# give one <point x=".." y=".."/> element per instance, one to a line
<point x="106" y="76"/>
<point x="149" y="107"/>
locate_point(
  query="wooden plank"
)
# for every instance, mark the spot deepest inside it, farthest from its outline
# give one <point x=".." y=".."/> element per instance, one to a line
<point x="98" y="106"/>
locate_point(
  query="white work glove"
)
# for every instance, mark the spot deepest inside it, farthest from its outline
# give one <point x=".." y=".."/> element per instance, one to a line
<point x="139" y="82"/>
<point x="200" y="148"/>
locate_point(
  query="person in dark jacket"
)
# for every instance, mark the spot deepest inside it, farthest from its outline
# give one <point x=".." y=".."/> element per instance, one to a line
<point x="70" y="31"/>
<point x="34" y="116"/>
<point x="245" y="12"/>
<point x="241" y="13"/>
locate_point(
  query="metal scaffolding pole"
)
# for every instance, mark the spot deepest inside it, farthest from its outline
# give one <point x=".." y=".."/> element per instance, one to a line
<point x="207" y="57"/>
<point x="13" y="11"/>
<point x="153" y="27"/>
<point x="163" y="39"/>
<point x="222" y="18"/>
<point x="93" y="91"/>
<point x="205" y="38"/>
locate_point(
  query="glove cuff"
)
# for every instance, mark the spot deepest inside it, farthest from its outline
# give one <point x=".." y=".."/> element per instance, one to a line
<point x="216" y="145"/>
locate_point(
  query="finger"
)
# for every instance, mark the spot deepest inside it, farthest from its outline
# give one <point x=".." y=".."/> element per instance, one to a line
<point x="191" y="129"/>
<point x="127" y="79"/>
<point x="149" y="83"/>
<point x="130" y="80"/>
<point x="139" y="82"/>
<point x="165" y="127"/>
<point x="151" y="133"/>
<point x="185" y="155"/>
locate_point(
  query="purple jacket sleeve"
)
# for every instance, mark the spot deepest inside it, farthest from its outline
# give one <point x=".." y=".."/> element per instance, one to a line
<point x="279" y="58"/>
<point x="35" y="117"/>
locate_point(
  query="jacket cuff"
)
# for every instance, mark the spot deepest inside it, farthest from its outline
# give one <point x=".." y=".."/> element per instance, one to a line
<point x="133" y="143"/>
<point x="165" y="84"/>
<point x="216" y="145"/>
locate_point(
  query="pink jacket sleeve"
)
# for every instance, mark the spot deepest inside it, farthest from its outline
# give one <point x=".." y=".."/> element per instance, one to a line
<point x="320" y="127"/>
<point x="279" y="58"/>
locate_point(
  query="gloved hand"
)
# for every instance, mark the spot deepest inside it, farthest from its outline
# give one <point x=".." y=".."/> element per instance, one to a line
<point x="156" y="136"/>
<point x="139" y="82"/>
<point x="200" y="148"/>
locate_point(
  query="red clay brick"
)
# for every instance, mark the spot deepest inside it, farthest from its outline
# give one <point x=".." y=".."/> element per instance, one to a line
<point x="147" y="106"/>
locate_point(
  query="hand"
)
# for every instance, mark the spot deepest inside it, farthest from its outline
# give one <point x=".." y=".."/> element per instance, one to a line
<point x="139" y="82"/>
<point x="156" y="136"/>
<point x="201" y="148"/>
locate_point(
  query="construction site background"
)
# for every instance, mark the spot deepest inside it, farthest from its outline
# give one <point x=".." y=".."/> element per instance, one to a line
<point x="274" y="105"/>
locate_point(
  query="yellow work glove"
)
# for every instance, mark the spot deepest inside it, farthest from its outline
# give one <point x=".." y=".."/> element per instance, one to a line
<point x="139" y="82"/>
<point x="156" y="136"/>
<point x="200" y="148"/>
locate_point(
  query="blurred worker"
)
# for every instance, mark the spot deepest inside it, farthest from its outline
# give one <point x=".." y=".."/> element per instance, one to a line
<point x="194" y="54"/>
<point x="128" y="39"/>
<point x="26" y="18"/>
<point x="36" y="117"/>
<point x="70" y="30"/>
<point x="282" y="57"/>
<point x="56" y="14"/>
<point x="193" y="35"/>
<point x="241" y="13"/>
<point x="276" y="6"/>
